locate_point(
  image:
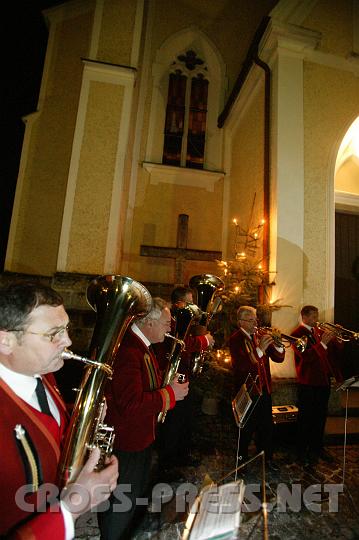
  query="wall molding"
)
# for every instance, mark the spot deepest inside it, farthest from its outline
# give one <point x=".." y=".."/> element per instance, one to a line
<point x="347" y="202"/>
<point x="181" y="176"/>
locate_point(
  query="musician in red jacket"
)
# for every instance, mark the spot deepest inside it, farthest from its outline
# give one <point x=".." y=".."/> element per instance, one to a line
<point x="315" y="367"/>
<point x="135" y="399"/>
<point x="33" y="334"/>
<point x="250" y="354"/>
<point x="175" y="434"/>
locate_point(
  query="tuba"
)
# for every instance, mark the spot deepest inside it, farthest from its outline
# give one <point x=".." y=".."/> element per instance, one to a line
<point x="184" y="318"/>
<point x="207" y="287"/>
<point x="117" y="300"/>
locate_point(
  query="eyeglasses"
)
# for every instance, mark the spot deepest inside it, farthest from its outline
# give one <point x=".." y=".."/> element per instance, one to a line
<point x="248" y="320"/>
<point x="54" y="336"/>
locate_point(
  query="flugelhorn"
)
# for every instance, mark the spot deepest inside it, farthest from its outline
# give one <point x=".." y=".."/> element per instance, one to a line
<point x="284" y="340"/>
<point x="184" y="318"/>
<point x="117" y="300"/>
<point x="341" y="333"/>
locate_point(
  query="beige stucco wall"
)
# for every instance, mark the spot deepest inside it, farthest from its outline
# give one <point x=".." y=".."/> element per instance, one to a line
<point x="157" y="206"/>
<point x="347" y="177"/>
<point x="230" y="25"/>
<point x="155" y="223"/>
<point x="115" y="42"/>
<point x="47" y="159"/>
<point x="331" y="104"/>
<point x="37" y="217"/>
<point x="95" y="178"/>
<point x="334" y="20"/>
<point x="246" y="177"/>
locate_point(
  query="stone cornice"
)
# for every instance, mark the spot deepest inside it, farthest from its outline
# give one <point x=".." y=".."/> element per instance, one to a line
<point x="347" y="202"/>
<point x="182" y="176"/>
<point x="103" y="71"/>
<point x="293" y="38"/>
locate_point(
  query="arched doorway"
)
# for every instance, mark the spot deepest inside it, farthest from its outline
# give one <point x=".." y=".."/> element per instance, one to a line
<point x="346" y="301"/>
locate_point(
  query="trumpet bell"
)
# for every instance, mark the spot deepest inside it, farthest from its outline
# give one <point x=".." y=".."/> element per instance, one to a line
<point x="280" y="339"/>
<point x="301" y="344"/>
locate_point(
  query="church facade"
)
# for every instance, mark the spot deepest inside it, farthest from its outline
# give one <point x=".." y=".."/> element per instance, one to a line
<point x="215" y="110"/>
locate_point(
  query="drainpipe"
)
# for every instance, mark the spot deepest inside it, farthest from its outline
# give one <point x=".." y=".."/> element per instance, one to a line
<point x="266" y="158"/>
<point x="252" y="57"/>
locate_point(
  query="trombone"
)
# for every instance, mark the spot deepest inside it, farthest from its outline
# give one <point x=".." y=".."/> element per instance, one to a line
<point x="341" y="333"/>
<point x="284" y="340"/>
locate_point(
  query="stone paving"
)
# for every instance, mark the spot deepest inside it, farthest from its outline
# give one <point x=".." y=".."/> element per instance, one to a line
<point x="287" y="490"/>
<point x="292" y="492"/>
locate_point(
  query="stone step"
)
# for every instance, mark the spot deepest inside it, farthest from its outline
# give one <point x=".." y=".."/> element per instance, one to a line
<point x="335" y="425"/>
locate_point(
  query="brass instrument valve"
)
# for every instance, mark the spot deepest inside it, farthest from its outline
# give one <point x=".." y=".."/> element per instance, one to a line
<point x="276" y="333"/>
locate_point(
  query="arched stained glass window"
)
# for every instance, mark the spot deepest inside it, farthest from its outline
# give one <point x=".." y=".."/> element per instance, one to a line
<point x="186" y="113"/>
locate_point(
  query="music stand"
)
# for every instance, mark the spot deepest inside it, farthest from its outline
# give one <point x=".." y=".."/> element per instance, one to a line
<point x="193" y="512"/>
<point x="348" y="383"/>
<point x="243" y="407"/>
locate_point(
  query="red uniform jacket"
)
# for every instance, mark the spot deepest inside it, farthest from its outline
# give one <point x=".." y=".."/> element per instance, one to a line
<point x="316" y="364"/>
<point x="193" y="344"/>
<point x="26" y="464"/>
<point x="245" y="360"/>
<point x="134" y="395"/>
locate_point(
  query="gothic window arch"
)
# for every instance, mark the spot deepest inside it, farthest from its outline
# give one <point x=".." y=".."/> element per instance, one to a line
<point x="183" y="54"/>
<point x="186" y="112"/>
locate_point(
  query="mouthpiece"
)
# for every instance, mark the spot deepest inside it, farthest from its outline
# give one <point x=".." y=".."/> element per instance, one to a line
<point x="69" y="355"/>
<point x="179" y="341"/>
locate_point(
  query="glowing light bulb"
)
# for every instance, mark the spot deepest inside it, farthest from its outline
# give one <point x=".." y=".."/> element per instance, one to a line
<point x="235" y="221"/>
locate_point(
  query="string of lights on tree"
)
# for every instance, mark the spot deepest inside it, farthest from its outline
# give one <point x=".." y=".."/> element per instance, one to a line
<point x="243" y="274"/>
<point x="245" y="277"/>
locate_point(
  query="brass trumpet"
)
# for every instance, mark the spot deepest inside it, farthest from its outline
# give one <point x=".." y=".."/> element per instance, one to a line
<point x="341" y="333"/>
<point x="284" y="340"/>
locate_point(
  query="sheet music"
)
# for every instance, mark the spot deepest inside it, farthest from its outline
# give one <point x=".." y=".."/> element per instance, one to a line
<point x="241" y="404"/>
<point x="217" y="512"/>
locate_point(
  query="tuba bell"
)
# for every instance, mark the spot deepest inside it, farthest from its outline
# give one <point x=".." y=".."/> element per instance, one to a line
<point x="184" y="317"/>
<point x="117" y="300"/>
<point x="207" y="287"/>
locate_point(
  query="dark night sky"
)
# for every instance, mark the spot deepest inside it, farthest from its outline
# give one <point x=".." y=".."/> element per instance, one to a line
<point x="25" y="34"/>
